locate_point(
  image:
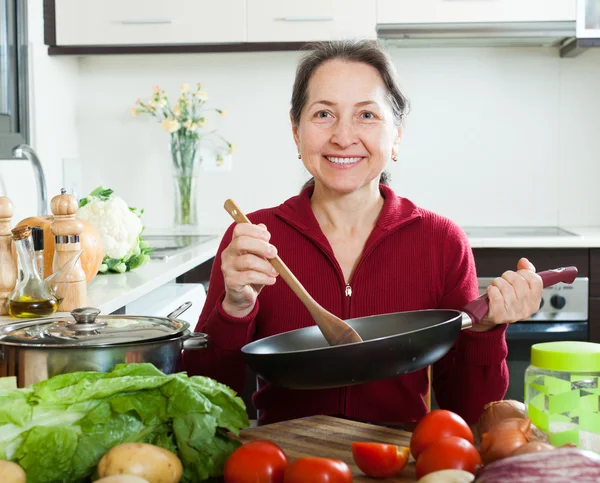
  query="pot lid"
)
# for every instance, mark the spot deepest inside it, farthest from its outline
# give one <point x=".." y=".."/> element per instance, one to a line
<point x="87" y="328"/>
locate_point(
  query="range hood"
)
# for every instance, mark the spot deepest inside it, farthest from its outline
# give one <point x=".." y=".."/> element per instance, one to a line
<point x="470" y="34"/>
<point x="571" y="37"/>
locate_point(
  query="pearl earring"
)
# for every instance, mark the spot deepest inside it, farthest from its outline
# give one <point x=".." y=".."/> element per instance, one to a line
<point x="395" y="157"/>
<point x="299" y="156"/>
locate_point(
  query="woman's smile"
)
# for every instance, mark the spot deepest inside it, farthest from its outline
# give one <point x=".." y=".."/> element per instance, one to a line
<point x="344" y="161"/>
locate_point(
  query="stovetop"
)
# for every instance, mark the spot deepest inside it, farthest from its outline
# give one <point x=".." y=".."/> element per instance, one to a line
<point x="516" y="231"/>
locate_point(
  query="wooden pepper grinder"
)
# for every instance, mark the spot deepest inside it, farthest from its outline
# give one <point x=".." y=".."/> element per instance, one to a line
<point x="70" y="288"/>
<point x="8" y="265"/>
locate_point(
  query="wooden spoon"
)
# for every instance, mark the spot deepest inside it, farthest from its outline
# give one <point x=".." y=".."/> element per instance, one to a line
<point x="334" y="329"/>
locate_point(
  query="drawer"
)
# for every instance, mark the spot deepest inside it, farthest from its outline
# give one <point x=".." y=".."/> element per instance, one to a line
<point x="310" y="20"/>
<point x="439" y="11"/>
<point x="149" y="22"/>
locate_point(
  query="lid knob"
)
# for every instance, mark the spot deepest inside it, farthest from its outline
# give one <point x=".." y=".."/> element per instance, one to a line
<point x="85" y="315"/>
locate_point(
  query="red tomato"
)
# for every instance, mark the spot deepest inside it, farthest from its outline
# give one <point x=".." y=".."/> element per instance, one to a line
<point x="438" y="424"/>
<point x="451" y="453"/>
<point x="317" y="470"/>
<point x="256" y="462"/>
<point x="379" y="460"/>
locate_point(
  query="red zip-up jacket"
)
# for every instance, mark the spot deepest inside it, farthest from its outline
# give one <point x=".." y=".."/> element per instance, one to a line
<point x="413" y="259"/>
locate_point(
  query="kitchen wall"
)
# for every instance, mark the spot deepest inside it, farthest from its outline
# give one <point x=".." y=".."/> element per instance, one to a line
<point x="494" y="137"/>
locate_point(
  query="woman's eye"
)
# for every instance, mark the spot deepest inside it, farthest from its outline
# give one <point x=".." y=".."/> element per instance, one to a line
<point x="323" y="114"/>
<point x="368" y="115"/>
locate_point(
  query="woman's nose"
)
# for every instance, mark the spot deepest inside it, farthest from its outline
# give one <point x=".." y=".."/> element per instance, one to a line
<point x="344" y="133"/>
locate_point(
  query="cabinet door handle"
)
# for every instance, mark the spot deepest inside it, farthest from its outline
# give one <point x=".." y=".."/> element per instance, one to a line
<point x="306" y="19"/>
<point x="145" y="21"/>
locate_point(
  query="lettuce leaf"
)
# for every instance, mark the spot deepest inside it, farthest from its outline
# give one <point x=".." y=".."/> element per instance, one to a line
<point x="59" y="429"/>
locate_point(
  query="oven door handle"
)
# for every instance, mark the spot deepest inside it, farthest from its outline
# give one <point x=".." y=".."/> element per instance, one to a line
<point x="544" y="332"/>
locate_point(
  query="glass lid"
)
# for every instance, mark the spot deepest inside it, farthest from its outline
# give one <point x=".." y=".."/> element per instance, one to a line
<point x="87" y="328"/>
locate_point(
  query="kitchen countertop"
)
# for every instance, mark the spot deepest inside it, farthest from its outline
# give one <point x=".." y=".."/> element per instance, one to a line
<point x="110" y="292"/>
<point x="585" y="237"/>
<point x="113" y="291"/>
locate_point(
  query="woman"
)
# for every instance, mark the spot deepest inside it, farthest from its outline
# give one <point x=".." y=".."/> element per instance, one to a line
<point x="360" y="250"/>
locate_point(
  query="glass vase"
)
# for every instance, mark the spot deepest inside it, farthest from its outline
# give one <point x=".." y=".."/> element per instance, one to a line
<point x="185" y="156"/>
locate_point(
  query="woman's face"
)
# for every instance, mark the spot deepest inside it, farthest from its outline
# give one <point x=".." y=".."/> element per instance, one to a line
<point x="346" y="132"/>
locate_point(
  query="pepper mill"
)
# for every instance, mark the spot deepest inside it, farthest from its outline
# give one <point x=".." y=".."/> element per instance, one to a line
<point x="8" y="265"/>
<point x="70" y="287"/>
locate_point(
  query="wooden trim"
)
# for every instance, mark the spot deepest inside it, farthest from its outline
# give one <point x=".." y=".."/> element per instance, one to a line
<point x="50" y="22"/>
<point x="428" y="395"/>
<point x="173" y="49"/>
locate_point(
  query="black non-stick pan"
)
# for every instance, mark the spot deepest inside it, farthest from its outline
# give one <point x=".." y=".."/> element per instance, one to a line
<point x="393" y="344"/>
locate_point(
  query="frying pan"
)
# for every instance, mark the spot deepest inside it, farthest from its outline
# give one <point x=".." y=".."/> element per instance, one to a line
<point x="392" y="344"/>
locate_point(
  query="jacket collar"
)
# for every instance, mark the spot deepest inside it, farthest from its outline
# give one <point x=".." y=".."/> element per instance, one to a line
<point x="396" y="212"/>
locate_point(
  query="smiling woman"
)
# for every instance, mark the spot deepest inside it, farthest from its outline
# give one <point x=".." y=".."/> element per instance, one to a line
<point x="360" y="250"/>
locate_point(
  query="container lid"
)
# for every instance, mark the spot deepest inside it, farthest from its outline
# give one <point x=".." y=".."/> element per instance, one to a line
<point x="566" y="356"/>
<point x="38" y="238"/>
<point x="86" y="328"/>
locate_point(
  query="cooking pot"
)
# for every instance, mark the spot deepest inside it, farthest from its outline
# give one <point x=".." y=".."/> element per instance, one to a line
<point x="36" y="350"/>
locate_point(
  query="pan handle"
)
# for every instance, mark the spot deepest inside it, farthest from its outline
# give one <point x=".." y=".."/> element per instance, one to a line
<point x="477" y="309"/>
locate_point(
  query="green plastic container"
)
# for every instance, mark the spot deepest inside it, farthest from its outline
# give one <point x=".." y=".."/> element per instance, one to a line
<point x="562" y="392"/>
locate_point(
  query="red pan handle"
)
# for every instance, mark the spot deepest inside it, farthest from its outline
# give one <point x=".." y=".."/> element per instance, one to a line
<point x="477" y="309"/>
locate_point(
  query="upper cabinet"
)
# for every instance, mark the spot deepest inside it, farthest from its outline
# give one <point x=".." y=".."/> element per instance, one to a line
<point x="148" y="22"/>
<point x="461" y="11"/>
<point x="310" y="20"/>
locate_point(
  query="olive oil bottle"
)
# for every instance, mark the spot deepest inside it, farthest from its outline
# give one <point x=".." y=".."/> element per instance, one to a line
<point x="32" y="296"/>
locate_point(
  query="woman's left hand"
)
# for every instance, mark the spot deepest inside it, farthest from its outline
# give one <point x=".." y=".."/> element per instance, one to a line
<point x="514" y="296"/>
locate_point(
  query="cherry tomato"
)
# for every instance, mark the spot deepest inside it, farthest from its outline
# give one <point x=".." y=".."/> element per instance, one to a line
<point x="451" y="453"/>
<point x="379" y="460"/>
<point x="256" y="462"/>
<point x="438" y="424"/>
<point x="317" y="470"/>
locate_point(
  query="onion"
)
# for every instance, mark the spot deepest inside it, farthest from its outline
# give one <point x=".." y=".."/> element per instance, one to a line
<point x="504" y="438"/>
<point x="532" y="447"/>
<point x="497" y="411"/>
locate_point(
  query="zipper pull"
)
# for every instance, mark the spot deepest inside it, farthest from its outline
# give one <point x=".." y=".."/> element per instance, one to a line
<point x="348" y="290"/>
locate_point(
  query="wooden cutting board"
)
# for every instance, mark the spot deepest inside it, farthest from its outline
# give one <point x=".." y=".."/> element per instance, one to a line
<point x="331" y="437"/>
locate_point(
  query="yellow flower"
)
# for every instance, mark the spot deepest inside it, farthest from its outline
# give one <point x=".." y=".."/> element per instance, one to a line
<point x="187" y="124"/>
<point x="185" y="88"/>
<point x="193" y="127"/>
<point x="202" y="95"/>
<point x="139" y="101"/>
<point x="199" y="85"/>
<point x="176" y="110"/>
<point x="156" y="89"/>
<point x="133" y="112"/>
<point x="232" y="149"/>
<point x="170" y="125"/>
<point x="223" y="112"/>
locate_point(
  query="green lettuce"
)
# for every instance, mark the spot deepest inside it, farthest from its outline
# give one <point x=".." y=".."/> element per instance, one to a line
<point x="58" y="430"/>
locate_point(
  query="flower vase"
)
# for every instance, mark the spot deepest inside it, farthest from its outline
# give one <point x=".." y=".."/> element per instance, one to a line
<point x="186" y="162"/>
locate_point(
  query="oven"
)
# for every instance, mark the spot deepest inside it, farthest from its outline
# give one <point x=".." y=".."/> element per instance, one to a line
<point x="563" y="315"/>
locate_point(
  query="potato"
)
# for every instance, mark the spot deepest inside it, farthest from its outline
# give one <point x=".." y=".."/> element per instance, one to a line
<point x="121" y="479"/>
<point x="448" y="476"/>
<point x="155" y="464"/>
<point x="11" y="472"/>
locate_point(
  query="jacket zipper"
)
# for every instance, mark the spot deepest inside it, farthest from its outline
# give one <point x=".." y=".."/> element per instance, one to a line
<point x="347" y="302"/>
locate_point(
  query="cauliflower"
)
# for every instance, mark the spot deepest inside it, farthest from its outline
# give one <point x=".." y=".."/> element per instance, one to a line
<point x="120" y="229"/>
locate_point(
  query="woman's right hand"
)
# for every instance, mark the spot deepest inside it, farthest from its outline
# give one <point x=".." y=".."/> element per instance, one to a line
<point x="246" y="269"/>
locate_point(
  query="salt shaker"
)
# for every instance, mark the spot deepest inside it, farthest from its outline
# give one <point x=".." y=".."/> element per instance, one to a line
<point x="8" y="265"/>
<point x="70" y="288"/>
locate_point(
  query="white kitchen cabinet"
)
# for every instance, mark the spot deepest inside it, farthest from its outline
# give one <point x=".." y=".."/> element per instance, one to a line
<point x="442" y="11"/>
<point x="149" y="22"/>
<point x="310" y="20"/>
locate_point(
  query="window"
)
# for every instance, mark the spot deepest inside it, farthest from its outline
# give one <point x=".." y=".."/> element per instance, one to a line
<point x="13" y="76"/>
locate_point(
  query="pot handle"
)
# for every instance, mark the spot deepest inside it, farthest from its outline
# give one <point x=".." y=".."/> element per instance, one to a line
<point x="195" y="340"/>
<point x="179" y="310"/>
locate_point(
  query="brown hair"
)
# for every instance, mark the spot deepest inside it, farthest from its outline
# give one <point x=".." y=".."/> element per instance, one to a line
<point x="363" y="51"/>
